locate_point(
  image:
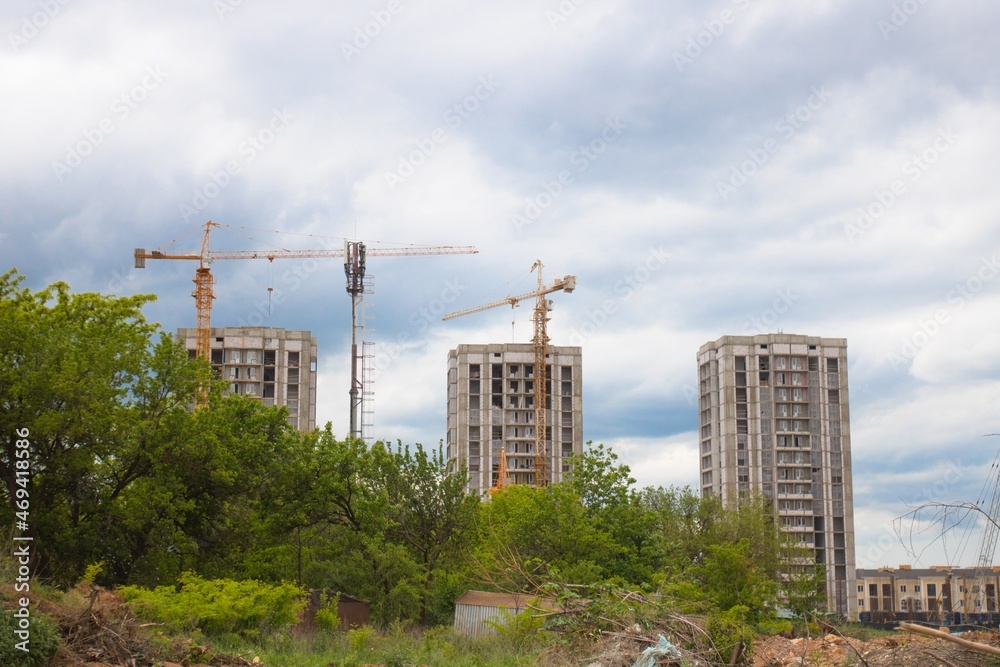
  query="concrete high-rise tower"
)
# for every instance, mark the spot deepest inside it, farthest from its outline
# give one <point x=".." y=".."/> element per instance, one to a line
<point x="275" y="366"/>
<point x="491" y="396"/>
<point x="774" y="421"/>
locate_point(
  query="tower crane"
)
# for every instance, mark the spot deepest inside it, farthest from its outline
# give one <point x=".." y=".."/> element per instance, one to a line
<point x="541" y="341"/>
<point x="354" y="254"/>
<point x="988" y="539"/>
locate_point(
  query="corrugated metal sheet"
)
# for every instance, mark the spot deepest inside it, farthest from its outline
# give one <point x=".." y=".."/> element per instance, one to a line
<point x="475" y="608"/>
<point x="471" y="620"/>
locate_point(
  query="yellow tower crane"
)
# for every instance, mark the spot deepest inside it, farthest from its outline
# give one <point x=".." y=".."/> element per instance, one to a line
<point x="354" y="254"/>
<point x="541" y="341"/>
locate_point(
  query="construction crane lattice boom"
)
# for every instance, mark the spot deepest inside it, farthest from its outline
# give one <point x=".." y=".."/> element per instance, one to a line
<point x="204" y="281"/>
<point x="541" y="342"/>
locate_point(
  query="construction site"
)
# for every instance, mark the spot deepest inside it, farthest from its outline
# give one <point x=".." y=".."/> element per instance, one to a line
<point x="515" y="413"/>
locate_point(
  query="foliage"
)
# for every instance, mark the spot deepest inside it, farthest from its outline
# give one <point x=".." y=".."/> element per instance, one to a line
<point x="326" y="617"/>
<point x="518" y="631"/>
<point x="731" y="633"/>
<point x="598" y="479"/>
<point x="43" y="640"/>
<point x="219" y="607"/>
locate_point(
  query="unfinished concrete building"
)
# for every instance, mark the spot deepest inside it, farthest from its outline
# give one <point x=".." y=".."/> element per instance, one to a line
<point x="774" y="421"/>
<point x="491" y="407"/>
<point x="275" y="366"/>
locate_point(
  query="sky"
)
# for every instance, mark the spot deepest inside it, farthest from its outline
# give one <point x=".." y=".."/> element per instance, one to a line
<point x="702" y="168"/>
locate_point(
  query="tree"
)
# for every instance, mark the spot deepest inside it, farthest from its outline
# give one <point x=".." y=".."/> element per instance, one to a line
<point x="599" y="479"/>
<point x="83" y="375"/>
<point x="430" y="514"/>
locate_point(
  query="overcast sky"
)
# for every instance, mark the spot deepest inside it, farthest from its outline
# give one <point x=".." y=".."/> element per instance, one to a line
<point x="703" y="168"/>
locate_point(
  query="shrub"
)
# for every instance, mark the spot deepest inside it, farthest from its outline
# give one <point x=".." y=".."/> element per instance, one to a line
<point x="43" y="640"/>
<point x="220" y="606"/>
<point x="326" y="617"/>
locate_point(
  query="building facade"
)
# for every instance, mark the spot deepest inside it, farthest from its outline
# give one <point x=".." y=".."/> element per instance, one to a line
<point x="932" y="594"/>
<point x="275" y="366"/>
<point x="774" y="421"/>
<point x="491" y="407"/>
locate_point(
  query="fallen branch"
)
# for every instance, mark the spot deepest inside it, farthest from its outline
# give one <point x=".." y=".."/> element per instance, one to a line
<point x="947" y="663"/>
<point x="972" y="646"/>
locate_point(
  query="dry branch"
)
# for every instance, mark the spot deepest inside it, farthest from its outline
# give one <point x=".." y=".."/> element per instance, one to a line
<point x="972" y="646"/>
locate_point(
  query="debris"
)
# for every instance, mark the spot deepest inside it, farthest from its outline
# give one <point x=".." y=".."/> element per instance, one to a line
<point x="972" y="646"/>
<point x="662" y="649"/>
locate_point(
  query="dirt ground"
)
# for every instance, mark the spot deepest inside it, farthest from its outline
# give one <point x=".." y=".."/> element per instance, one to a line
<point x="902" y="650"/>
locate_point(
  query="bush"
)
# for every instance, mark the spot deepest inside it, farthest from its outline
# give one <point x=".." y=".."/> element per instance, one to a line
<point x="220" y="606"/>
<point x="326" y="617"/>
<point x="43" y="640"/>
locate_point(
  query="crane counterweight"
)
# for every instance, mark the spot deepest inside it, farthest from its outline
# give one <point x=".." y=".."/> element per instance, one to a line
<point x="353" y="252"/>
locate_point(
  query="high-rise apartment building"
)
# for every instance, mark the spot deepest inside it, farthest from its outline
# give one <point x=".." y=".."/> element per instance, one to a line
<point x="491" y="406"/>
<point x="774" y="421"/>
<point x="276" y="366"/>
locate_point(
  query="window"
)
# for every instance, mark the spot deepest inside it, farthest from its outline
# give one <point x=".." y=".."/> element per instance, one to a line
<point x="902" y="604"/>
<point x="902" y="589"/>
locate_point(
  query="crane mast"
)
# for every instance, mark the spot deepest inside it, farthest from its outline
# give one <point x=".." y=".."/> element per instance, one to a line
<point x="540" y="339"/>
<point x="354" y="254"/>
<point x="988" y="540"/>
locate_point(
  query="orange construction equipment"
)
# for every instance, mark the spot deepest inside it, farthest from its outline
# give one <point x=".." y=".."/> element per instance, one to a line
<point x="354" y="254"/>
<point x="503" y="475"/>
<point x="541" y="341"/>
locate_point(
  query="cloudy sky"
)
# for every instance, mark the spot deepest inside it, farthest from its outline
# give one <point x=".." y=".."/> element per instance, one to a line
<point x="703" y="168"/>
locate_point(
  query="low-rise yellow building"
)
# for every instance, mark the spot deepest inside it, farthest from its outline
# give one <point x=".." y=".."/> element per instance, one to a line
<point x="935" y="592"/>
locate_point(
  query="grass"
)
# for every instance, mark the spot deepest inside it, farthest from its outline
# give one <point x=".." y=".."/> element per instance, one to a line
<point x="395" y="647"/>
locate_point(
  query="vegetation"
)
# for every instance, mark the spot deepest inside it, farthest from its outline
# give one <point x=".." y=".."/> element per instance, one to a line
<point x="218" y="518"/>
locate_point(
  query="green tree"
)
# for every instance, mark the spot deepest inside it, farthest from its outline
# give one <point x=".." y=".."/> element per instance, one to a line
<point x="598" y="479"/>
<point x="99" y="398"/>
<point x="430" y="514"/>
